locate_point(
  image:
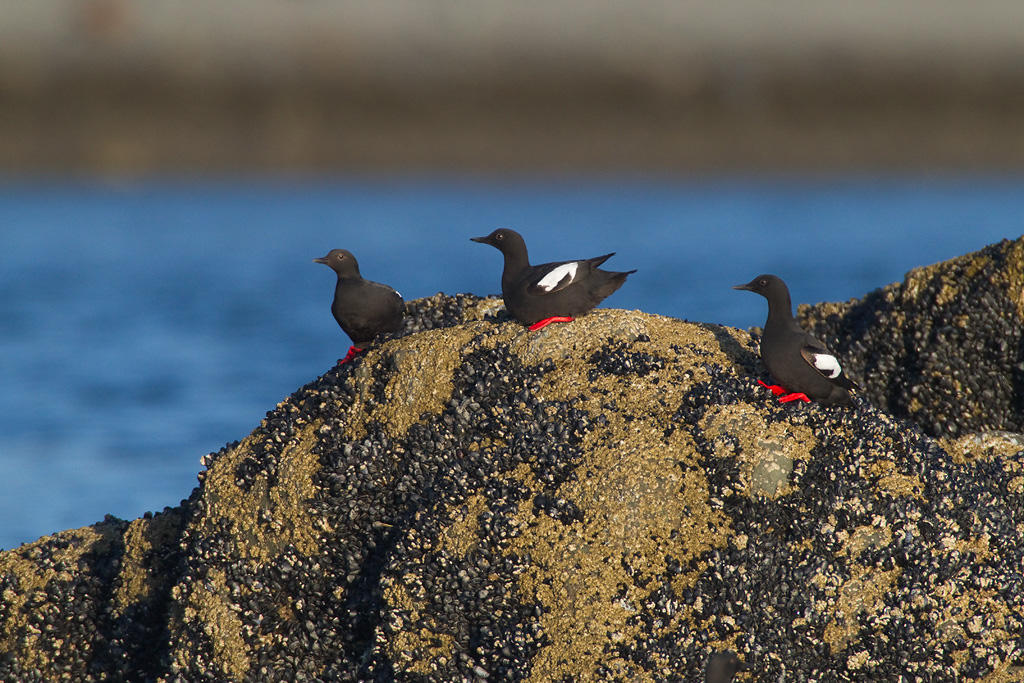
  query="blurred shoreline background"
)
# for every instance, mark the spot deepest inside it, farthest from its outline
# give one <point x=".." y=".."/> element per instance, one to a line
<point x="127" y="88"/>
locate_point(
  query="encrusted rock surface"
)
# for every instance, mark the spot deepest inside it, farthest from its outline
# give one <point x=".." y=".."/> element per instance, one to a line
<point x="945" y="347"/>
<point x="611" y="499"/>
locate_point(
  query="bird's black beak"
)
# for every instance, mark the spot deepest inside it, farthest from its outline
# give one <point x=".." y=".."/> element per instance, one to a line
<point x="745" y="287"/>
<point x="322" y="259"/>
<point x="481" y="240"/>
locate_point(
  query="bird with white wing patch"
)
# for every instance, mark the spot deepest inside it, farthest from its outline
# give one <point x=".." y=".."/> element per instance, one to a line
<point x="804" y="367"/>
<point x="551" y="292"/>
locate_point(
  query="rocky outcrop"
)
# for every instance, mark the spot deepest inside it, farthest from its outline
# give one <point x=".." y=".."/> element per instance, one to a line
<point x="945" y="347"/>
<point x="611" y="499"/>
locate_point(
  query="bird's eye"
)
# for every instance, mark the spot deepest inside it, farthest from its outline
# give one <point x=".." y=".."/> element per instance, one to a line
<point x="499" y="236"/>
<point x="764" y="282"/>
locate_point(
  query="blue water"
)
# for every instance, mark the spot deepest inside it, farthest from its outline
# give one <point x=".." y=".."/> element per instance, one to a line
<point x="145" y="324"/>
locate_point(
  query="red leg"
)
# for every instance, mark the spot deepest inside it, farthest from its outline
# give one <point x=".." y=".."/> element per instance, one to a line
<point x="774" y="388"/>
<point x="353" y="351"/>
<point x="547" y="321"/>
<point x="794" y="397"/>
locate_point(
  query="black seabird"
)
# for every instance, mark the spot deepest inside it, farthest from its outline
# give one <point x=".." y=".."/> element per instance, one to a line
<point x="363" y="309"/>
<point x="552" y="292"/>
<point x="801" y="364"/>
<point x="722" y="666"/>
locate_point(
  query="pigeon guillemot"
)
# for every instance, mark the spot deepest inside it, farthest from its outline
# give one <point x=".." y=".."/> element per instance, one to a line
<point x="801" y="364"/>
<point x="552" y="292"/>
<point x="363" y="309"/>
<point x="722" y="666"/>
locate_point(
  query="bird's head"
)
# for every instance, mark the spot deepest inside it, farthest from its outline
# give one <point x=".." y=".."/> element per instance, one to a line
<point x="503" y="239"/>
<point x="765" y="285"/>
<point x="341" y="261"/>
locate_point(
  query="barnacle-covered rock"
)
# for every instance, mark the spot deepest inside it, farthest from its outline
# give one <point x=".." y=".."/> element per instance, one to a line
<point x="945" y="347"/>
<point x="611" y="499"/>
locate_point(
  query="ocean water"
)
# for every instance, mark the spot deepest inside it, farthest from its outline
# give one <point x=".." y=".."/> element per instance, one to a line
<point x="144" y="324"/>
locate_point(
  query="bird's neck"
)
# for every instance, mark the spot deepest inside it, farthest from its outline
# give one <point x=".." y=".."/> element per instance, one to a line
<point x="780" y="310"/>
<point x="515" y="261"/>
<point x="348" y="276"/>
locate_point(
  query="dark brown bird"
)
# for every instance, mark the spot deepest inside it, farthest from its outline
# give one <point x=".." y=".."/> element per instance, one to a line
<point x="551" y="292"/>
<point x="364" y="309"/>
<point x="802" y="365"/>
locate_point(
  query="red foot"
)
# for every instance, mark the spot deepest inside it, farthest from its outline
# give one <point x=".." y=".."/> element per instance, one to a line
<point x="547" y="321"/>
<point x="774" y="388"/>
<point x="794" y="397"/>
<point x="353" y="351"/>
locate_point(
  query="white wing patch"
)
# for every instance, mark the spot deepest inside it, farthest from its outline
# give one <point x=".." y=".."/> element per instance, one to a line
<point x="557" y="274"/>
<point x="827" y="364"/>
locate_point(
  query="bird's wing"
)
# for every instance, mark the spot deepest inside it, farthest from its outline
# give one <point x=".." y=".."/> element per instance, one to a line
<point x="823" y="360"/>
<point x="598" y="260"/>
<point x="554" y="277"/>
<point x="386" y="289"/>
